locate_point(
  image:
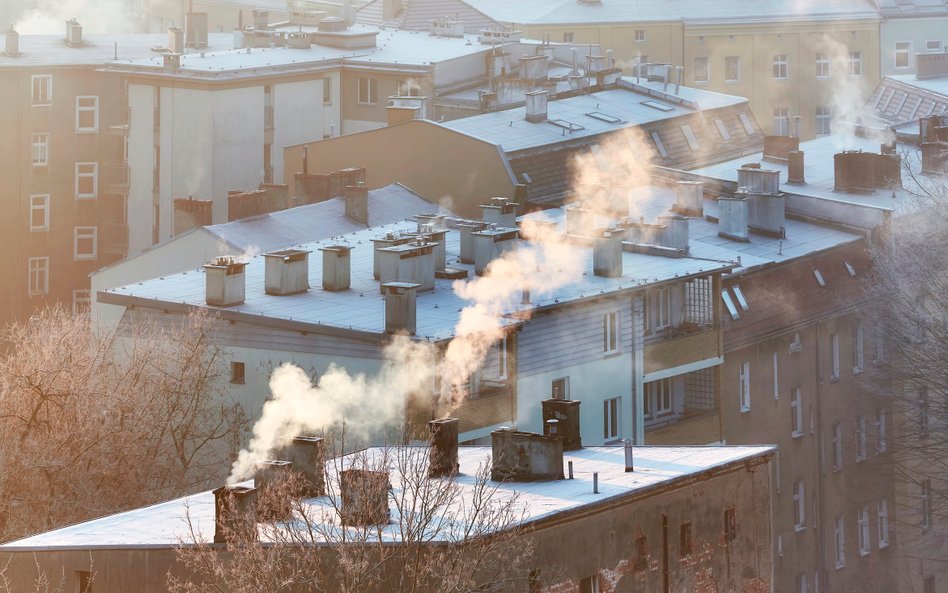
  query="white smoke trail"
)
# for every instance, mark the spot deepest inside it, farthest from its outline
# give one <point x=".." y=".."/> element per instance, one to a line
<point x="48" y="17"/>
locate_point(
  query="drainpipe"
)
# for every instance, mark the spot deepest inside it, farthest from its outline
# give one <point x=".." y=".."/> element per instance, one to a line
<point x="819" y="453"/>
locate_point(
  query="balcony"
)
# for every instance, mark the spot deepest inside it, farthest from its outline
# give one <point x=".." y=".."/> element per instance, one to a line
<point x="117" y="119"/>
<point x="682" y="346"/>
<point x="115" y="178"/>
<point x="113" y="238"/>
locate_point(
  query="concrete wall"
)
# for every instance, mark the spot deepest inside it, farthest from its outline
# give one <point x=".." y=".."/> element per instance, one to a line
<point x="298" y="113"/>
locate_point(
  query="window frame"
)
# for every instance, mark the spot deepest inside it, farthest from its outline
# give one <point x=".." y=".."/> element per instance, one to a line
<point x="776" y="360"/>
<point x="40" y="145"/>
<point x="882" y="445"/>
<point x="611" y="333"/>
<point x="658" y="401"/>
<point x="854" y="64"/>
<point x="799" y="506"/>
<point x="81" y="300"/>
<point x="824" y="69"/>
<point x="80" y="110"/>
<point x="862" y="529"/>
<point x="926" y="505"/>
<point x="41" y="286"/>
<point x="639" y="36"/>
<point x="862" y="447"/>
<point x="85" y="233"/>
<point x="781" y="121"/>
<point x="611" y="419"/>
<point x="44" y="208"/>
<point x="939" y="49"/>
<point x="722" y="130"/>
<point x="907" y="51"/>
<point x="744" y="386"/>
<point x="737" y="62"/>
<point x="706" y="70"/>
<point x="327" y="90"/>
<point x="839" y="532"/>
<point x="796" y="413"/>
<point x="371" y="88"/>
<point x="859" y="354"/>
<point x="80" y="175"/>
<point x="834" y="357"/>
<point x="685" y="539"/>
<point x="780" y="67"/>
<point x="882" y="523"/>
<point x="690" y="137"/>
<point x="823" y="120"/>
<point x="38" y="78"/>
<point x="238" y="372"/>
<point x="837" y="446"/>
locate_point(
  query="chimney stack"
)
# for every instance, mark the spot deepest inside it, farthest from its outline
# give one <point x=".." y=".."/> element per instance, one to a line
<point x="364" y="497"/>
<point x="467" y="240"/>
<point x="406" y="108"/>
<point x="537" y="106"/>
<point x="235" y="514"/>
<point x="195" y="30"/>
<point x="675" y="234"/>
<point x="525" y="457"/>
<point x="286" y="272"/>
<point x="409" y="262"/>
<point x="357" y="202"/>
<point x="73" y="33"/>
<point x="379" y="243"/>
<point x="490" y="244"/>
<point x="336" y="267"/>
<point x="607" y="253"/>
<point x="274" y="501"/>
<point x="261" y="19"/>
<point x="690" y="198"/>
<point x="795" y="167"/>
<point x="176" y="40"/>
<point x="566" y="413"/>
<point x="579" y="220"/>
<point x="443" y="455"/>
<point x="732" y="218"/>
<point x="501" y="212"/>
<point x="306" y="455"/>
<point x="400" y="307"/>
<point x="224" y="282"/>
<point x="12" y="43"/>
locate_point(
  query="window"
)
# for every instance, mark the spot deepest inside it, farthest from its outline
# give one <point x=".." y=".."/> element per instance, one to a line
<point x="933" y="46"/>
<point x="327" y="91"/>
<point x="409" y="88"/>
<point x="659" y="145"/>
<point x="84" y="242"/>
<point x="776" y="377"/>
<point x="834" y="350"/>
<point x="701" y="70"/>
<point x="799" y="506"/>
<point x="38" y="275"/>
<point x="641" y="62"/>
<point x="802" y="585"/>
<point x="858" y="353"/>
<point x="559" y="389"/>
<point x="781" y="121"/>
<point x="780" y="67"/>
<point x="690" y="137"/>
<point x="368" y="91"/>
<point x="862" y="522"/>
<point x="722" y="130"/>
<point x="81" y="301"/>
<point x="610" y="419"/>
<point x="641" y="553"/>
<point x="589" y="584"/>
<point x="568" y="37"/>
<point x="685" y="540"/>
<point x="824" y="117"/>
<point x="926" y="505"/>
<point x="658" y="398"/>
<point x="882" y="514"/>
<point x="658" y="309"/>
<point x="837" y="447"/>
<point x="496" y="365"/>
<point x="639" y="35"/>
<point x="237" y="372"/>
<point x="610" y="332"/>
<point x="39" y="213"/>
<point x="42" y="89"/>
<point x="729" y="304"/>
<point x="745" y="389"/>
<point x="748" y="126"/>
<point x="739" y="294"/>
<point x="795" y="344"/>
<point x="730" y="524"/>
<point x="822" y="65"/>
<point x="881" y="445"/>
<point x="40" y="149"/>
<point x="732" y="69"/>
<point x="860" y="438"/>
<point x="819" y="277"/>
<point x="87" y="181"/>
<point x="796" y="413"/>
<point x="87" y="115"/>
<point x="878" y="343"/>
<point x="903" y="54"/>
<point x="840" y="539"/>
<point x="855" y="63"/>
<point x="84" y="581"/>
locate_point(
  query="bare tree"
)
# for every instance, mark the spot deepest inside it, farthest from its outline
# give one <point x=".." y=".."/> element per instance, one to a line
<point x="454" y="534"/>
<point x="93" y="425"/>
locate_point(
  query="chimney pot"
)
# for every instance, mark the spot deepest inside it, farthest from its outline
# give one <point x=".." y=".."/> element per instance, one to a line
<point x="224" y="282"/>
<point x="443" y="455"/>
<point x="357" y="202"/>
<point x="537" y="106"/>
<point x="400" y="307"/>
<point x="336" y="267"/>
<point x="566" y="413"/>
<point x="286" y="272"/>
<point x="235" y="514"/>
<point x="73" y="33"/>
<point x="306" y="455"/>
<point x="274" y="502"/>
<point x="12" y="43"/>
<point x="364" y="497"/>
<point x="795" y="167"/>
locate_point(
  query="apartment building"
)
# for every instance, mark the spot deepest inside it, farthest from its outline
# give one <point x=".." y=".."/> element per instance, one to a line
<point x="679" y="519"/>
<point x="63" y="159"/>
<point x="909" y="28"/>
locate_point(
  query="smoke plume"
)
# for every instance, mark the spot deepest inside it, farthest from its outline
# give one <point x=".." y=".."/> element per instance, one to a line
<point x="48" y="17"/>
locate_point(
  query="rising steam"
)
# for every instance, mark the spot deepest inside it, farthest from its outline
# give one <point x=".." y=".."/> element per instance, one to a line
<point x="47" y="17"/>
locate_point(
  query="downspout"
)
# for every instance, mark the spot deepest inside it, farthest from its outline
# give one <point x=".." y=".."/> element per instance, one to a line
<point x="819" y="453"/>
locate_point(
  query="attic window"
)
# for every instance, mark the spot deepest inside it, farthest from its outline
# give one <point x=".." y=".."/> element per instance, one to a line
<point x="722" y="129"/>
<point x="566" y="125"/>
<point x="740" y="297"/>
<point x="729" y="303"/>
<point x="610" y="119"/>
<point x="690" y="137"/>
<point x="659" y="144"/>
<point x="819" y="277"/>
<point x="850" y="269"/>
<point x="746" y="122"/>
<point x="527" y="179"/>
<point x="657" y="105"/>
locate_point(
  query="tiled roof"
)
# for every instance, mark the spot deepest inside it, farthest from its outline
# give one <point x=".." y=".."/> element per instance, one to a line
<point x="781" y="297"/>
<point x="418" y="14"/>
<point x="902" y="98"/>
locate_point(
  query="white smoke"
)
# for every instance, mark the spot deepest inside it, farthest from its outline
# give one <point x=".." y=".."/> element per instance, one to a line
<point x="48" y="17"/>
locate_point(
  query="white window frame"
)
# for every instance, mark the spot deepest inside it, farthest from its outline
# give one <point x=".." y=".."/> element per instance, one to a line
<point x="409" y="87"/>
<point x="799" y="505"/>
<point x="861" y="439"/>
<point x="882" y="516"/>
<point x="83" y="109"/>
<point x="824" y="120"/>
<point x="837" y="447"/>
<point x="690" y="137"/>
<point x="722" y="130"/>
<point x="858" y="350"/>
<point x="881" y="428"/>
<point x="327" y="90"/>
<point x="85" y="233"/>
<point x="905" y="51"/>
<point x="611" y="333"/>
<point x="748" y="126"/>
<point x="839" y="532"/>
<point x="796" y="413"/>
<point x="795" y="344"/>
<point x="659" y="306"/>
<point x="706" y="71"/>
<point x="39" y="202"/>
<point x="85" y="174"/>
<point x="823" y="66"/>
<point x="40" y="154"/>
<point x="38" y="276"/>
<point x="501" y="347"/>
<point x="45" y="82"/>
<point x="855" y="64"/>
<point x="658" y="401"/>
<point x="612" y="419"/>
<point x="659" y="145"/>
<point x="834" y="351"/>
<point x="781" y="67"/>
<point x="737" y="62"/>
<point x="744" y="386"/>
<point x="568" y="37"/>
<point x="781" y="121"/>
<point x="936" y="49"/>
<point x="371" y="91"/>
<point x="81" y="300"/>
<point x="862" y="523"/>
<point x="639" y="36"/>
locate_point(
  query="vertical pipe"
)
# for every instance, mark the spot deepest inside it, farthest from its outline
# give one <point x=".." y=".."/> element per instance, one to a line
<point x="595" y="482"/>
<point x="569" y="465"/>
<point x="665" y="553"/>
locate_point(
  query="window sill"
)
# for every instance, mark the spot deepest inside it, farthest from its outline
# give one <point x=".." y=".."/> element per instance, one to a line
<point x="857" y="370"/>
<point x="40" y="230"/>
<point x="834" y="378"/>
<point x="799" y="528"/>
<point x="840" y="566"/>
<point x="837" y="469"/>
<point x="883" y="545"/>
<point x="796" y="435"/>
<point x="860" y="459"/>
<point x="738" y="81"/>
<point x="238" y="383"/>
<point x="863" y="552"/>
<point x="702" y="82"/>
<point x="87" y="131"/>
<point x="611" y="354"/>
<point x="41" y="104"/>
<point x="745" y="410"/>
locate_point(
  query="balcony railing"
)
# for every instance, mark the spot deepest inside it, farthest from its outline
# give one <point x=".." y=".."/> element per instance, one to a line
<point x="681" y="349"/>
<point x="114" y="238"/>
<point x="118" y="119"/>
<point x="115" y="177"/>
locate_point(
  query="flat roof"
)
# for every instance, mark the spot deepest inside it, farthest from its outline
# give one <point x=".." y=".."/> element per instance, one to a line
<point x="165" y="524"/>
<point x="361" y="309"/>
<point x="629" y="104"/>
<point x="97" y="49"/>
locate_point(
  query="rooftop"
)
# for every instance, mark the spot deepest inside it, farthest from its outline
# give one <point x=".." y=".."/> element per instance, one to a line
<point x="97" y="49"/>
<point x="164" y="524"/>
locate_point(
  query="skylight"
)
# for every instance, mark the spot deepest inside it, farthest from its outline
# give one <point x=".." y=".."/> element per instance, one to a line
<point x="746" y="122"/>
<point x="819" y="277"/>
<point x="690" y="137"/>
<point x="740" y="297"/>
<point x="729" y="303"/>
<point x="610" y="119"/>
<point x="657" y="105"/>
<point x="566" y="125"/>
<point x="850" y="269"/>
<point x="722" y="129"/>
<point x="659" y="144"/>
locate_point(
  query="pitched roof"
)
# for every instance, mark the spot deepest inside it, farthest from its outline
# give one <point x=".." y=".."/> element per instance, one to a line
<point x="418" y="14"/>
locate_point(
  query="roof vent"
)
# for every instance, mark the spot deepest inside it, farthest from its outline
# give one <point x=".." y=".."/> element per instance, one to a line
<point x="432" y="220"/>
<point x="389" y="240"/>
<point x="357" y="202"/>
<point x="306" y="455"/>
<point x="443" y="455"/>
<point x="235" y="514"/>
<point x="732" y="218"/>
<point x="525" y="457"/>
<point x="536" y="105"/>
<point x="261" y="18"/>
<point x="12" y="43"/>
<point x="765" y="213"/>
<point x="224" y="282"/>
<point x="364" y="497"/>
<point x="490" y="244"/>
<point x="467" y="240"/>
<point x="689" y="198"/>
<point x="400" y="307"/>
<point x="444" y="27"/>
<point x="607" y="253"/>
<point x="73" y="33"/>
<point x="408" y="262"/>
<point x="287" y="272"/>
<point x="566" y="414"/>
<point x="176" y="40"/>
<point x="501" y="212"/>
<point x="336" y="267"/>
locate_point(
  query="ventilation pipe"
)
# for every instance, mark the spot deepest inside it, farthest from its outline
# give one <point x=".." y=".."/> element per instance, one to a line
<point x="666" y="78"/>
<point x="357" y="202"/>
<point x="224" y="282"/>
<point x="306" y="455"/>
<point x="336" y="267"/>
<point x="443" y="455"/>
<point x="681" y="73"/>
<point x="628" y="455"/>
<point x="537" y="106"/>
<point x="607" y="253"/>
<point x="235" y="514"/>
<point x="286" y="272"/>
<point x="400" y="307"/>
<point x="795" y="167"/>
<point x="690" y="198"/>
<point x="364" y="497"/>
